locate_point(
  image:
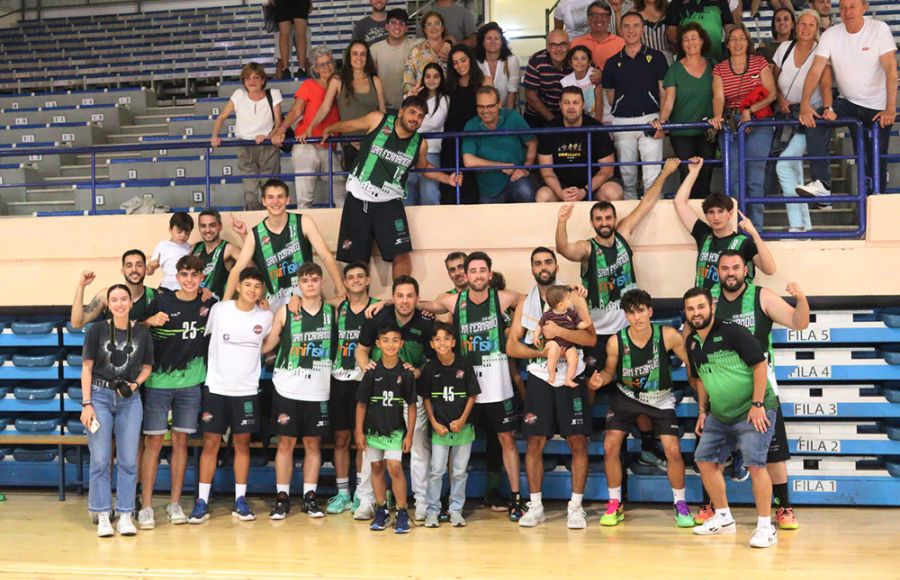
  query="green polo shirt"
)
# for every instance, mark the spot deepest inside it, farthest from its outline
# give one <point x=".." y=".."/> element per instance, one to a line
<point x="501" y="148"/>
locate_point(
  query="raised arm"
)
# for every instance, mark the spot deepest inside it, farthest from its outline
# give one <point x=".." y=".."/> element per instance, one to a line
<point x="776" y="308"/>
<point x="243" y="260"/>
<point x="574" y="251"/>
<point x="652" y="195"/>
<point x="764" y="260"/>
<point x="685" y="213"/>
<point x="81" y="314"/>
<point x="312" y="233"/>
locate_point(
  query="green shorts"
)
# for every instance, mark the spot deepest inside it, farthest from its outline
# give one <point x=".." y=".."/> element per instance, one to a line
<point x="451" y="439"/>
<point x="392" y="442"/>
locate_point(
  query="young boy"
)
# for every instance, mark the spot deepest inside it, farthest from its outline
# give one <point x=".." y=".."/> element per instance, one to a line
<point x="563" y="315"/>
<point x="168" y="252"/>
<point x="448" y="386"/>
<point x="380" y="429"/>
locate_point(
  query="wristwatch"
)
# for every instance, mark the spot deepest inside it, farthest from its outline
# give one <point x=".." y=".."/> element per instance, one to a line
<point x="758" y="404"/>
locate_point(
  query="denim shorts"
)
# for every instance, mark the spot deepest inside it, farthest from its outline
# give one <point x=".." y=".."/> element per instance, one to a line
<point x="719" y="439"/>
<point x="184" y="403"/>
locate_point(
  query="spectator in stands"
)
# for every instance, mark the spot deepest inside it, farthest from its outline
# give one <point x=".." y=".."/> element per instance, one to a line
<point x="458" y="20"/>
<point x="257" y="112"/>
<point x="688" y="99"/>
<point x="713" y="15"/>
<point x="633" y="79"/>
<point x="571" y="16"/>
<point x="117" y="359"/>
<point x="654" y="14"/>
<point x="419" y="189"/>
<point x="601" y="42"/>
<point x="579" y="60"/>
<point x="782" y="31"/>
<point x="294" y="13"/>
<point x="281" y="63"/>
<point x="306" y="157"/>
<point x="618" y="9"/>
<point x="565" y="184"/>
<point x="506" y="185"/>
<point x="429" y="50"/>
<point x="357" y="90"/>
<point x="862" y="54"/>
<point x="390" y="56"/>
<point x="546" y="68"/>
<point x="497" y="62"/>
<point x="464" y="78"/>
<point x="372" y="28"/>
<point x="734" y="79"/>
<point x="792" y="64"/>
<point x="823" y="8"/>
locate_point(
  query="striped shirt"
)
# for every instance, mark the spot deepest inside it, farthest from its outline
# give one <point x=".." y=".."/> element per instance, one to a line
<point x="543" y="77"/>
<point x="738" y="86"/>
<point x="654" y="36"/>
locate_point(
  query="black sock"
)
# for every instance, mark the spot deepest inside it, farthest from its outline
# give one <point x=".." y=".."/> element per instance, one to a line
<point x="516" y="497"/>
<point x="780" y="492"/>
<point x="648" y="441"/>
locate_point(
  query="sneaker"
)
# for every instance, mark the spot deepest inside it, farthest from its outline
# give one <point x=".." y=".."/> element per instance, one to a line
<point x="365" y="511"/>
<point x="401" y="524"/>
<point x="576" y="519"/>
<point x="444" y="515"/>
<point x="241" y="510"/>
<point x="391" y="500"/>
<point x="615" y="513"/>
<point x="125" y="525"/>
<point x="338" y="504"/>
<point x="282" y="507"/>
<point x="813" y="189"/>
<point x="457" y="520"/>
<point x="532" y="517"/>
<point x="515" y="509"/>
<point x="200" y="513"/>
<point x="145" y="519"/>
<point x="704" y="514"/>
<point x="649" y="459"/>
<point x="739" y="471"/>
<point x="176" y="514"/>
<point x="494" y="502"/>
<point x="311" y="505"/>
<point x="356" y="502"/>
<point x="421" y="513"/>
<point x="104" y="528"/>
<point x="786" y="518"/>
<point x="432" y="520"/>
<point x="382" y="520"/>
<point x="764" y="537"/>
<point x="683" y="517"/>
<point x="716" y="525"/>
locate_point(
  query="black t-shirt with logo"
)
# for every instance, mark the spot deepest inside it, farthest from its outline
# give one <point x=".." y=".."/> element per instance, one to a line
<point x="416" y="336"/>
<point x="448" y="388"/>
<point x="121" y="359"/>
<point x="384" y="391"/>
<point x="180" y="344"/>
<point x="571" y="148"/>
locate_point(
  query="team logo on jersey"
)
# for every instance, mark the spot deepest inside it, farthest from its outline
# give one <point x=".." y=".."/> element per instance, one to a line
<point x="226" y="337"/>
<point x="399" y="380"/>
<point x="265" y="240"/>
<point x="284" y="419"/>
<point x="460" y="374"/>
<point x="345" y="245"/>
<point x="257" y="329"/>
<point x="206" y="417"/>
<point x="204" y="311"/>
<point x="530" y="419"/>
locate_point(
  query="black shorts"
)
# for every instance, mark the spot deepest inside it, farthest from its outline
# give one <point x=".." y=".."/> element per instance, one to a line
<point x="219" y="412"/>
<point x="499" y="416"/>
<point x="624" y="411"/>
<point x="291" y="9"/>
<point x="342" y="405"/>
<point x="595" y="357"/>
<point x="362" y="221"/>
<point x="778" y="446"/>
<point x="294" y="418"/>
<point x="550" y="410"/>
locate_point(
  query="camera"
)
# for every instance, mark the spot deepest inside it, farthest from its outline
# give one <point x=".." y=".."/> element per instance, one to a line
<point x="123" y="387"/>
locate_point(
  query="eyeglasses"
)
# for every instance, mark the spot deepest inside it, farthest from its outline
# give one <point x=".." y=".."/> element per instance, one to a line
<point x="558" y="45"/>
<point x="328" y="64"/>
<point x="599" y="15"/>
<point x="487" y="107"/>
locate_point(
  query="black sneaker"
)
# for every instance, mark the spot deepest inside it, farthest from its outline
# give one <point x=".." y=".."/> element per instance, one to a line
<point x="302" y="74"/>
<point x="444" y="515"/>
<point x="311" y="506"/>
<point x="516" y="510"/>
<point x="282" y="507"/>
<point x="493" y="501"/>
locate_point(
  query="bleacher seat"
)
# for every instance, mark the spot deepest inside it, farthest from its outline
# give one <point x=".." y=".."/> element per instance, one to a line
<point x="35" y="393"/>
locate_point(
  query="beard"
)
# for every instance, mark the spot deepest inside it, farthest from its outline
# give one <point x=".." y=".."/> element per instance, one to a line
<point x="702" y="324"/>
<point x="135" y="279"/>
<point x="732" y="284"/>
<point x="605" y="233"/>
<point x="551" y="278"/>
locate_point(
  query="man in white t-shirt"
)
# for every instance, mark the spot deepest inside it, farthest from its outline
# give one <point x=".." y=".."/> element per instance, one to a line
<point x="168" y="252"/>
<point x="237" y="329"/>
<point x="571" y="16"/>
<point x="389" y="56"/>
<point x="861" y="52"/>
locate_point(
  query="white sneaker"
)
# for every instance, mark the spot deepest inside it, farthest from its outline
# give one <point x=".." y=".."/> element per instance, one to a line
<point x="576" y="519"/>
<point x="813" y="189"/>
<point x="764" y="537"/>
<point x="125" y="526"/>
<point x="176" y="514"/>
<point x="532" y="517"/>
<point x="365" y="511"/>
<point x="104" y="528"/>
<point x="145" y="519"/>
<point x="716" y="525"/>
<point x="457" y="520"/>
<point x="421" y="513"/>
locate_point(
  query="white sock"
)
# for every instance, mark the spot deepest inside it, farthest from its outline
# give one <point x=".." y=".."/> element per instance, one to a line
<point x="615" y="493"/>
<point x="678" y="494"/>
<point x="764" y="522"/>
<point x="309" y="487"/>
<point x="724" y="513"/>
<point x="240" y="490"/>
<point x="576" y="498"/>
<point x="286" y="488"/>
<point x="343" y="485"/>
<point x="536" y="499"/>
<point x="204" y="491"/>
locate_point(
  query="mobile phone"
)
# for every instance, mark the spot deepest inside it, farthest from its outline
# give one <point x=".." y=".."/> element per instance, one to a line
<point x="95" y="425"/>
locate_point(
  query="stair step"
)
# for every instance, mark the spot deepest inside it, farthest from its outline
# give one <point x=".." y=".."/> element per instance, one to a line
<point x="24" y="208"/>
<point x="168" y="111"/>
<point x="150" y="118"/>
<point x="134" y="138"/>
<point x="85" y="176"/>
<point x="142" y="128"/>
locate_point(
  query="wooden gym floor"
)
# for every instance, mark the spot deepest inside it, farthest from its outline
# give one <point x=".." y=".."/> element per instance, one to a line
<point x="44" y="538"/>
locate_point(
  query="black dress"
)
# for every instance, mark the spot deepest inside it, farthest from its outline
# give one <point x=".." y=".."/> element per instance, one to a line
<point x="460" y="112"/>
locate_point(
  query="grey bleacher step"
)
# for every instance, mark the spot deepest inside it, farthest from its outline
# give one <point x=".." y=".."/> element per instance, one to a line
<point x="132" y="138"/>
<point x="102" y="157"/>
<point x="79" y="170"/>
<point x="163" y="112"/>
<point x="29" y="207"/>
<point x="142" y="129"/>
<point x="83" y="174"/>
<point x="50" y="194"/>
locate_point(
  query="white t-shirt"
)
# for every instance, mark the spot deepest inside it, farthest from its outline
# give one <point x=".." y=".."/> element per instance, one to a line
<point x="506" y="77"/>
<point x="168" y="253"/>
<point x="434" y="121"/>
<point x="234" y="348"/>
<point x="855" y="60"/>
<point x="253" y="118"/>
<point x="573" y="13"/>
<point x="790" y="81"/>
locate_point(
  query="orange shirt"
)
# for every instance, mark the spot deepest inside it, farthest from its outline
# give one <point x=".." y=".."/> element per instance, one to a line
<point x="313" y="94"/>
<point x="601" y="50"/>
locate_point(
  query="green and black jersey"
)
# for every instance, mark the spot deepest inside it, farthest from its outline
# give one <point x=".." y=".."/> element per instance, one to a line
<point x="179" y="345"/>
<point x="746" y="310"/>
<point x="279" y="256"/>
<point x="644" y="373"/>
<point x="608" y="275"/>
<point x="215" y="274"/>
<point x="724" y="362"/>
<point x="416" y="335"/>
<point x="482" y="342"/>
<point x="138" y="310"/>
<point x="449" y="388"/>
<point x="303" y="365"/>
<point x="349" y="326"/>
<point x="385" y="392"/>
<point x="709" y="247"/>
<point x="382" y="165"/>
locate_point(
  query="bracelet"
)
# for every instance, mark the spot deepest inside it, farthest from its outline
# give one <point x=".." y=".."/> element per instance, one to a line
<point x="87" y="403"/>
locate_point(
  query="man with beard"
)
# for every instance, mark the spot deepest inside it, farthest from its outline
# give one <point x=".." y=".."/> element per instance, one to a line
<point x="376" y="185"/>
<point x="755" y="308"/>
<point x="550" y="409"/>
<point x="455" y="262"/>
<point x="218" y="255"/>
<point x="134" y="268"/>
<point x="735" y="403"/>
<point x="478" y="315"/>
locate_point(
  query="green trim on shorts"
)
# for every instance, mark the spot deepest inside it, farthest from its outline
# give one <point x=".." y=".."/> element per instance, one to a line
<point x="392" y="442"/>
<point x="451" y="439"/>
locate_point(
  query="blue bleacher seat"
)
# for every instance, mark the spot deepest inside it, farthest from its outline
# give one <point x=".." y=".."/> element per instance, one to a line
<point x="3" y="357"/>
<point x="37" y="424"/>
<point x="74" y="392"/>
<point x="72" y="330"/>
<point x="892" y="391"/>
<point x="890" y="317"/>
<point x="4" y="422"/>
<point x="72" y="454"/>
<point x="73" y="360"/>
<point x="75" y="427"/>
<point x="33" y="327"/>
<point x="35" y="393"/>
<point x="41" y="454"/>
<point x="891" y="353"/>
<point x="38" y="358"/>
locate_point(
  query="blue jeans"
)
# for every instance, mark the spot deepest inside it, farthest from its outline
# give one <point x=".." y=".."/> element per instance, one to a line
<point x="719" y="439"/>
<point x="757" y="144"/>
<point x="520" y="191"/>
<point x="423" y="191"/>
<point x="844" y="108"/>
<point x="122" y="418"/>
<point x="790" y="175"/>
<point x="459" y="458"/>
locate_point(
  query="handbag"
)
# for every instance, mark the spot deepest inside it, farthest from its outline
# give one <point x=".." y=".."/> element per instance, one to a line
<point x="271" y="25"/>
<point x="288" y="132"/>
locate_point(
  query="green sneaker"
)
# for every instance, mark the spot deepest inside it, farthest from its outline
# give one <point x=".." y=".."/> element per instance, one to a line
<point x="338" y="504"/>
<point x="615" y="513"/>
<point x="356" y="503"/>
<point x="391" y="502"/>
<point x="683" y="517"/>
